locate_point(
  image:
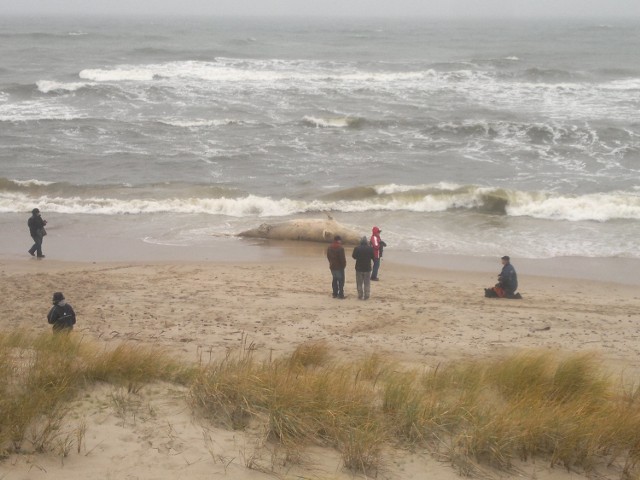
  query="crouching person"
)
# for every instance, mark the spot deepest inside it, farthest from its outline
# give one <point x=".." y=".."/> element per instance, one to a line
<point x="507" y="285"/>
<point x="61" y="315"/>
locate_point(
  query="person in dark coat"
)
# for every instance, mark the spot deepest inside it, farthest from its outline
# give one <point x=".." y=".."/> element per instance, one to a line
<point x="36" y="229"/>
<point x="507" y="285"/>
<point x="337" y="265"/>
<point x="364" y="256"/>
<point x="61" y="315"/>
<point x="507" y="278"/>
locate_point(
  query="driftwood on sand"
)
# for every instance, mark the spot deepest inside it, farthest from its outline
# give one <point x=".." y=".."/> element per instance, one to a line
<point x="310" y="230"/>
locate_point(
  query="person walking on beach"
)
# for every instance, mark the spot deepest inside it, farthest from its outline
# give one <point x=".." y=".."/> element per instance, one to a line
<point x="378" y="245"/>
<point x="363" y="255"/>
<point x="337" y="265"/>
<point x="36" y="229"/>
<point x="61" y="315"/>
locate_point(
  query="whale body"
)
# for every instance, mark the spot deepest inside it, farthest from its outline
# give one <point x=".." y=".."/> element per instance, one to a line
<point x="309" y="230"/>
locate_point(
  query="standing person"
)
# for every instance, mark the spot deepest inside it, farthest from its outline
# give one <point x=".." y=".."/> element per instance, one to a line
<point x="61" y="315"/>
<point x="363" y="255"/>
<point x="36" y="229"/>
<point x="377" y="244"/>
<point x="337" y="264"/>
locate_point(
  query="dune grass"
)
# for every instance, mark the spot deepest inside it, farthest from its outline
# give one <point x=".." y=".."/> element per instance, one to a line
<point x="486" y="413"/>
<point x="39" y="375"/>
<point x="477" y="414"/>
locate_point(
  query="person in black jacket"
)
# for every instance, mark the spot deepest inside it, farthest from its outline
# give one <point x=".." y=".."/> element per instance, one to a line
<point x="363" y="255"/>
<point x="61" y="315"/>
<point x="36" y="229"/>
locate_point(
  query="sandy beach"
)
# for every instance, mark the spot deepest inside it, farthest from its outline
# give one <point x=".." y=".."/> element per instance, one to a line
<point x="419" y="316"/>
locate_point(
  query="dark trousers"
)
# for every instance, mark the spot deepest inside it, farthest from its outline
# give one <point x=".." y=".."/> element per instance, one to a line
<point x="37" y="247"/>
<point x="376" y="266"/>
<point x="338" y="283"/>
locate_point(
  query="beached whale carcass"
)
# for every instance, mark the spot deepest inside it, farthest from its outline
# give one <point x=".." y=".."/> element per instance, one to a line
<point x="310" y="230"/>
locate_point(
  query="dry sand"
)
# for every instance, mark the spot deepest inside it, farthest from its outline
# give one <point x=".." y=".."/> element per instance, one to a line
<point x="415" y="315"/>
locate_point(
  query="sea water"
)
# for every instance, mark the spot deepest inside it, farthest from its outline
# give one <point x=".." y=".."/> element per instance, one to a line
<point x="454" y="137"/>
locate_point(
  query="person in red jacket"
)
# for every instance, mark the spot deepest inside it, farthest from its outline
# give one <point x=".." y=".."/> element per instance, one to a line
<point x="337" y="265"/>
<point x="378" y="245"/>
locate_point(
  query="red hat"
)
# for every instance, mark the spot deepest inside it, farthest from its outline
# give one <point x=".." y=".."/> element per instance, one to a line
<point x="376" y="230"/>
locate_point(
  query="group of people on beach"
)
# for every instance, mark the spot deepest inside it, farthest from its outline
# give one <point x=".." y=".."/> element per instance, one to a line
<point x="61" y="316"/>
<point x="367" y="256"/>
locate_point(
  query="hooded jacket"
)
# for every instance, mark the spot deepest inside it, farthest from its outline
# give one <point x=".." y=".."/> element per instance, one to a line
<point x="376" y="242"/>
<point x="35" y="223"/>
<point x="61" y="316"/>
<point x="336" y="256"/>
<point x="363" y="255"/>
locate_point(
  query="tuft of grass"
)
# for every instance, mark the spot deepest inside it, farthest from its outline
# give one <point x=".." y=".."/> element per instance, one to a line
<point x="134" y="365"/>
<point x="361" y="447"/>
<point x="310" y="354"/>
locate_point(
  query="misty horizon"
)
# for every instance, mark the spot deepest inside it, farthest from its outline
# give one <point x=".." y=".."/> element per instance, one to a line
<point x="401" y="9"/>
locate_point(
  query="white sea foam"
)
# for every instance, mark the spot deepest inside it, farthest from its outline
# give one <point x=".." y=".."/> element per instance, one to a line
<point x="564" y="99"/>
<point x="46" y="86"/>
<point x="239" y="71"/>
<point x="198" y="123"/>
<point x="393" y="188"/>
<point x="629" y="84"/>
<point x="251" y="206"/>
<point x="598" y="206"/>
<point x="31" y="182"/>
<point x="133" y="73"/>
<point x="593" y="207"/>
<point x="37" y="110"/>
<point x="331" y="122"/>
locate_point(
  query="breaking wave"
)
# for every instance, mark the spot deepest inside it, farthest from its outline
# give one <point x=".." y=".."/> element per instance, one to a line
<point x="48" y="86"/>
<point x="20" y="196"/>
<point x="202" y="123"/>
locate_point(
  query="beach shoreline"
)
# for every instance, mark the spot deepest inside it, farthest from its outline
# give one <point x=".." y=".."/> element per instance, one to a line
<point x="62" y="246"/>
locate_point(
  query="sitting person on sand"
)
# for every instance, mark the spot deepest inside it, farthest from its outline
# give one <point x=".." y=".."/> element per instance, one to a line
<point x="61" y="315"/>
<point x="507" y="285"/>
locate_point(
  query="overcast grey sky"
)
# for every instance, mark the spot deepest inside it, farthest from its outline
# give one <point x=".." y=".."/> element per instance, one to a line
<point x="388" y="8"/>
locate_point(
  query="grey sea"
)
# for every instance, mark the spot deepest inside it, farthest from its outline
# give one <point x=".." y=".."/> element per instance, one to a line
<point x="461" y="138"/>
